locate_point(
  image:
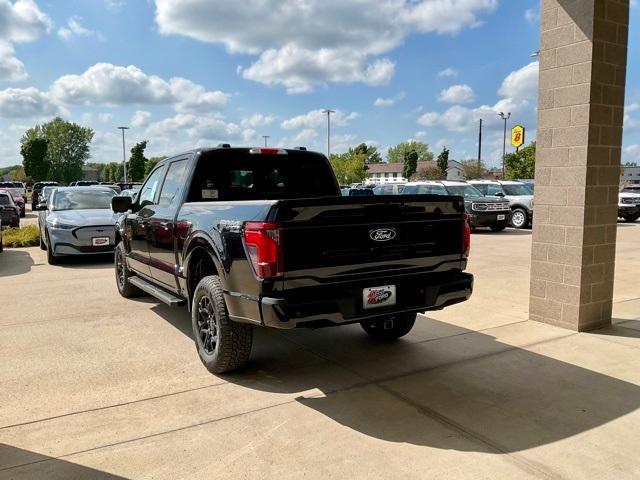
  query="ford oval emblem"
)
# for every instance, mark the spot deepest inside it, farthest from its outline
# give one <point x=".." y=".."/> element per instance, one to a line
<point x="382" y="234"/>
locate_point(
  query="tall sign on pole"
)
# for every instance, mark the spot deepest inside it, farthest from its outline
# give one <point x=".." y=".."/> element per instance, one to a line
<point x="517" y="136"/>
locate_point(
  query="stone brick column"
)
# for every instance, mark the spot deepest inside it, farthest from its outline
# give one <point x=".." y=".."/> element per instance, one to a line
<point x="583" y="55"/>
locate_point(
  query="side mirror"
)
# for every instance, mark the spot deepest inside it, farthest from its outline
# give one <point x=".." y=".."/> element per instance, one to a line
<point x="120" y="204"/>
<point x="41" y="206"/>
<point x="499" y="194"/>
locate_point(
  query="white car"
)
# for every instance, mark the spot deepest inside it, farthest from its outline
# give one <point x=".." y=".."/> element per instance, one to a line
<point x="629" y="206"/>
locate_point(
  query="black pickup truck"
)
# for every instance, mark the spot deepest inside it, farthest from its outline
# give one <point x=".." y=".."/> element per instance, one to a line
<point x="262" y="237"/>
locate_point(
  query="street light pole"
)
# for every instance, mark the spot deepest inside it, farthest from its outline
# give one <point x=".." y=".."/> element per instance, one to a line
<point x="265" y="139"/>
<point x="124" y="155"/>
<point x="328" y="112"/>
<point x="504" y="138"/>
<point x="479" y="146"/>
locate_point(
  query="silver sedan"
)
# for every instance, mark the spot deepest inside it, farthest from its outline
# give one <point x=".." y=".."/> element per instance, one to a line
<point x="78" y="221"/>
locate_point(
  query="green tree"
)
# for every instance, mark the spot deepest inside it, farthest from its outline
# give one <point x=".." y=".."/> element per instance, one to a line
<point x="151" y="163"/>
<point x="67" y="147"/>
<point x="34" y="156"/>
<point x="136" y="164"/>
<point x="443" y="161"/>
<point x="410" y="164"/>
<point x="370" y="152"/>
<point x="349" y="167"/>
<point x="397" y="154"/>
<point x="521" y="164"/>
<point x="472" y="169"/>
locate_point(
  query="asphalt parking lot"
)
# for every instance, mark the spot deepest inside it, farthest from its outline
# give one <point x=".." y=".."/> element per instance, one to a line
<point x="98" y="387"/>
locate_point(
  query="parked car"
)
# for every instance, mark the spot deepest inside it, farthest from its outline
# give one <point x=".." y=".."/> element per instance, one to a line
<point x="9" y="211"/>
<point x="112" y="186"/>
<point x="389" y="189"/>
<point x="519" y="195"/>
<point x="85" y="183"/>
<point x="78" y="221"/>
<point x="262" y="237"/>
<point x="16" y="194"/>
<point x="361" y="192"/>
<point x="22" y="188"/>
<point x="35" y="192"/>
<point x="129" y="185"/>
<point x="1" y="244"/>
<point x="483" y="211"/>
<point x="629" y="205"/>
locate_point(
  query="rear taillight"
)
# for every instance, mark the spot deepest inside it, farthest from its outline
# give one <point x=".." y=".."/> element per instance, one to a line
<point x="466" y="236"/>
<point x="263" y="243"/>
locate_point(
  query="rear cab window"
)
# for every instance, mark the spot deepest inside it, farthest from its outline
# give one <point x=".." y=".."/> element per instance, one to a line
<point x="239" y="175"/>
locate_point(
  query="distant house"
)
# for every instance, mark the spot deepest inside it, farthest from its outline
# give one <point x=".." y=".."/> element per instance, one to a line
<point x="454" y="170"/>
<point x="392" y="172"/>
<point x="89" y="173"/>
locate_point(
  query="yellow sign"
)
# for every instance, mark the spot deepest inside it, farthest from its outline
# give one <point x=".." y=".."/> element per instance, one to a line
<point x="517" y="136"/>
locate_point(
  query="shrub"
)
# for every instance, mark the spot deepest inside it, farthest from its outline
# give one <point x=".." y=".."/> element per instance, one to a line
<point x="28" y="236"/>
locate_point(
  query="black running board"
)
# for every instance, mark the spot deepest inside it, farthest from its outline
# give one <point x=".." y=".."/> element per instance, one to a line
<point x="161" y="294"/>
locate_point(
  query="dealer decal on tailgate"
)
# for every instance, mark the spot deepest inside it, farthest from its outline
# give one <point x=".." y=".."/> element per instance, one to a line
<point x="379" y="296"/>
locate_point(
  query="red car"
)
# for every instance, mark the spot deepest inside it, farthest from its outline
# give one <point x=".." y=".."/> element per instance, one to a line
<point x="16" y="193"/>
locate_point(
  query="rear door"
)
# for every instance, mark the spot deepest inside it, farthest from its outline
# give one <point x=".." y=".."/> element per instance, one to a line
<point x="327" y="240"/>
<point x="162" y="256"/>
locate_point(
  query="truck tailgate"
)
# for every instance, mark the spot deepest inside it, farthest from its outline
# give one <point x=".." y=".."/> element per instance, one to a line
<point x="327" y="240"/>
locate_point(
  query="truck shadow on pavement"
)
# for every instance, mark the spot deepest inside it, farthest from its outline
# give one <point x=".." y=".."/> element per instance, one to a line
<point x="46" y="468"/>
<point x="456" y="389"/>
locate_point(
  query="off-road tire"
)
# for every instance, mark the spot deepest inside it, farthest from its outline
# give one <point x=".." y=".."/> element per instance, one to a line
<point x="232" y="340"/>
<point x="400" y="326"/>
<point x="125" y="288"/>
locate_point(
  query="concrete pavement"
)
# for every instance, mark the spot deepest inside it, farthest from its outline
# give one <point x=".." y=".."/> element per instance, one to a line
<point x="98" y="387"/>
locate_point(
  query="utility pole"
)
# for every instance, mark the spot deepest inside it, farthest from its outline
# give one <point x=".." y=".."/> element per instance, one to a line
<point x="266" y="137"/>
<point x="504" y="138"/>
<point x="480" y="147"/>
<point x="328" y="112"/>
<point x="124" y="155"/>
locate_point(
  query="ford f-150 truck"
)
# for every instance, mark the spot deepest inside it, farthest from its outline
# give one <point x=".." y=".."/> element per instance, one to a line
<point x="262" y="237"/>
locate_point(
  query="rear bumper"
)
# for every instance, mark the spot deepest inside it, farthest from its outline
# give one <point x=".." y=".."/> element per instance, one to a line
<point x="488" y="219"/>
<point x="342" y="304"/>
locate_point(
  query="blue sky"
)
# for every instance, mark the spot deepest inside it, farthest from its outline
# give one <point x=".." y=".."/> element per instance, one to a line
<point x="185" y="73"/>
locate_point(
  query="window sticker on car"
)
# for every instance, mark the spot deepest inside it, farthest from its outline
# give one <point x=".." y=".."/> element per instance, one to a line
<point x="209" y="193"/>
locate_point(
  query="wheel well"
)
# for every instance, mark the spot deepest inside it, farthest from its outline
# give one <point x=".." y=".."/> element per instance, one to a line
<point x="200" y="265"/>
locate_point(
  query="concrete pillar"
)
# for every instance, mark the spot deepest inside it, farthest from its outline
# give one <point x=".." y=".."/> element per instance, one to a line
<point x="583" y="55"/>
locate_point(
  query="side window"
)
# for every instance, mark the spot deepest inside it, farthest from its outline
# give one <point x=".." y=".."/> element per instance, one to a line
<point x="493" y="189"/>
<point x="150" y="187"/>
<point x="173" y="182"/>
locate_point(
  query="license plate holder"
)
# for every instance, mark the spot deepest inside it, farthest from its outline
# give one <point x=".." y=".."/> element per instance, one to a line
<point x="502" y="217"/>
<point x="378" y="297"/>
<point x="99" y="241"/>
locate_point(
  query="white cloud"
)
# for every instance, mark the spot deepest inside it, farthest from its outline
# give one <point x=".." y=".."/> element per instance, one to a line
<point x="20" y="21"/>
<point x="299" y="42"/>
<point x="140" y="119"/>
<point x="257" y="120"/>
<point x="521" y="84"/>
<point x="75" y="29"/>
<point x="632" y="150"/>
<point x="11" y="69"/>
<point x="115" y="4"/>
<point x="448" y="72"/>
<point x="387" y="102"/>
<point x="531" y="16"/>
<point x="208" y="127"/>
<point x="107" y="84"/>
<point x="26" y="103"/>
<point x="457" y="94"/>
<point x="519" y="90"/>
<point x="105" y="117"/>
<point x="300" y="70"/>
<point x="316" y="119"/>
